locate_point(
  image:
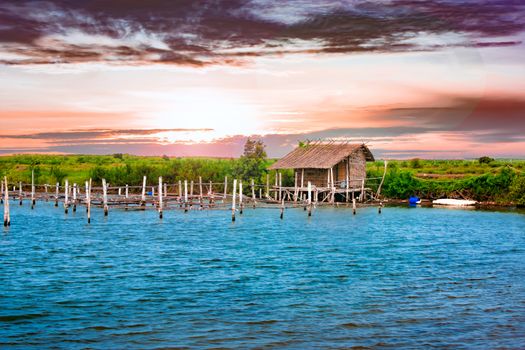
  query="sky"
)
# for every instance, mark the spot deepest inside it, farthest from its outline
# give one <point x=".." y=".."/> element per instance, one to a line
<point x="428" y="79"/>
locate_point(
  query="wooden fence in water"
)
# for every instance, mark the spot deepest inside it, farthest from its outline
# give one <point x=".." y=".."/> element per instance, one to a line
<point x="183" y="195"/>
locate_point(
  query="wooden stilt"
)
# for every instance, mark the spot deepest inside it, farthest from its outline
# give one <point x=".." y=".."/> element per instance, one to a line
<point x="160" y="197"/>
<point x="253" y="193"/>
<point x="240" y="198"/>
<point x="347" y="180"/>
<point x="363" y="190"/>
<point x="225" y="187"/>
<point x="20" y="192"/>
<point x="233" y="198"/>
<point x="267" y="185"/>
<point x="105" y="197"/>
<point x="210" y="193"/>
<point x="354" y="211"/>
<point x="382" y="180"/>
<point x="143" y="197"/>
<point x="33" y="201"/>
<point x="7" y="217"/>
<point x="88" y="200"/>
<point x="66" y="196"/>
<point x="180" y="193"/>
<point x="295" y="187"/>
<point x="2" y="193"/>
<point x="200" y="192"/>
<point x="332" y="186"/>
<point x="185" y="196"/>
<point x="45" y="190"/>
<point x="56" y="194"/>
<point x="280" y="185"/>
<point x="75" y="197"/>
<point x="309" y="198"/>
<point x="282" y="209"/>
<point x="191" y="193"/>
<point x="127" y="196"/>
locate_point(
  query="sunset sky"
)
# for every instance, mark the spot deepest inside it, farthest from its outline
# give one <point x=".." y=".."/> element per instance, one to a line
<point x="431" y="79"/>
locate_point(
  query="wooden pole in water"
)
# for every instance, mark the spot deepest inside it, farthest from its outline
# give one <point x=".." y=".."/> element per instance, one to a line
<point x="353" y="206"/>
<point x="382" y="180"/>
<point x="332" y="186"/>
<point x="185" y="196"/>
<point x="143" y="197"/>
<point x="309" y="198"/>
<point x="363" y="190"/>
<point x="253" y="192"/>
<point x="280" y="185"/>
<point x="2" y="194"/>
<point x="88" y="200"/>
<point x="380" y="207"/>
<point x="225" y="187"/>
<point x="120" y="191"/>
<point x="295" y="187"/>
<point x="20" y="192"/>
<point x="66" y="196"/>
<point x="33" y="201"/>
<point x="180" y="193"/>
<point x="7" y="217"/>
<point x="126" y="193"/>
<point x="233" y="199"/>
<point x="191" y="193"/>
<point x="87" y="189"/>
<point x="160" y="197"/>
<point x="200" y="191"/>
<point x="56" y="194"/>
<point x="45" y="189"/>
<point x="347" y="179"/>
<point x="240" y="198"/>
<point x="302" y="181"/>
<point x="282" y="209"/>
<point x="105" y="197"/>
<point x="275" y="192"/>
<point x="74" y="197"/>
<point x="260" y="193"/>
<point x="210" y="193"/>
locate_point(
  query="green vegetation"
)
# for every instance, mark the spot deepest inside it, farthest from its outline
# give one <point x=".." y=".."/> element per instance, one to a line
<point x="499" y="181"/>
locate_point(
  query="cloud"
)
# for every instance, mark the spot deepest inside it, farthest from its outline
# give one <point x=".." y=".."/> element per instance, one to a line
<point x="204" y="32"/>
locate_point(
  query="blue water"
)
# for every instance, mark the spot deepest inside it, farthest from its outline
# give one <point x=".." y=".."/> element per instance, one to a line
<point x="408" y="278"/>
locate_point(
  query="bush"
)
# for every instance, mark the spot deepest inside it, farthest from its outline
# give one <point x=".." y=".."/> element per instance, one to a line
<point x="517" y="190"/>
<point x="485" y="160"/>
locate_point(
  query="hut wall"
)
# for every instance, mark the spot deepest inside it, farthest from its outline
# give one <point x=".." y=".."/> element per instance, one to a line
<point x="318" y="177"/>
<point x="357" y="168"/>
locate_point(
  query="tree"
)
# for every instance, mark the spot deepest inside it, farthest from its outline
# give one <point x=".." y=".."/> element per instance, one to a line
<point x="485" y="160"/>
<point x="252" y="164"/>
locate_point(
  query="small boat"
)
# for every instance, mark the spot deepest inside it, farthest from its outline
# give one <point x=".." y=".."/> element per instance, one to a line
<point x="414" y="200"/>
<point x="454" y="202"/>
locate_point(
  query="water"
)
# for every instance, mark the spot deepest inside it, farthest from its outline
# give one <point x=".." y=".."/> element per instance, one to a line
<point x="408" y="278"/>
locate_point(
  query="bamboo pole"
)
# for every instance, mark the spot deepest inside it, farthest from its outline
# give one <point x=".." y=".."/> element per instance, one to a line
<point x="66" y="196"/>
<point x="7" y="216"/>
<point x="56" y="195"/>
<point x="74" y="197"/>
<point x="233" y="199"/>
<point x="105" y="197"/>
<point x="143" y="197"/>
<point x="88" y="200"/>
<point x="160" y="197"/>
<point x="33" y="201"/>
<point x="253" y="192"/>
<point x="185" y="196"/>
<point x="240" y="198"/>
<point x="309" y="198"/>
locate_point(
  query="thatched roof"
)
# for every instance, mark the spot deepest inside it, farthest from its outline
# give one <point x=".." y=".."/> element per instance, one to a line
<point x="320" y="155"/>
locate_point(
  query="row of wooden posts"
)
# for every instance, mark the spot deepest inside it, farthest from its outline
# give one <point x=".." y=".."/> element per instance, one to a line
<point x="303" y="197"/>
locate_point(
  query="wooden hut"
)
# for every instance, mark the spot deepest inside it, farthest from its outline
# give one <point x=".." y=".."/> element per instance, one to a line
<point x="330" y="167"/>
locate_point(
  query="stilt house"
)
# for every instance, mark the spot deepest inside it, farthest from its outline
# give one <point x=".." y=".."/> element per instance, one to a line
<point x="331" y="166"/>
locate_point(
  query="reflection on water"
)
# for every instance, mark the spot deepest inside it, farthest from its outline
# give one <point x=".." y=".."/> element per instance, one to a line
<point x="408" y="278"/>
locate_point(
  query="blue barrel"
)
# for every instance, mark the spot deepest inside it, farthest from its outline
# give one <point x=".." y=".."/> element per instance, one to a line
<point x="413" y="200"/>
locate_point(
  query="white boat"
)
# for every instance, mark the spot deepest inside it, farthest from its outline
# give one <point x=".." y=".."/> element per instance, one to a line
<point x="454" y="202"/>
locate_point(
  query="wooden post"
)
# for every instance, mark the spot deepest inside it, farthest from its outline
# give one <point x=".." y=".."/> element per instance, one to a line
<point x="56" y="195"/>
<point x="105" y="197"/>
<point x="309" y="198"/>
<point x="200" y="191"/>
<point x="66" y="196"/>
<point x="210" y="193"/>
<point x="253" y="192"/>
<point x="143" y="197"/>
<point x="240" y="198"/>
<point x="88" y="200"/>
<point x="2" y="193"/>
<point x="362" y="190"/>
<point x="153" y="191"/>
<point x="347" y="174"/>
<point x="191" y="193"/>
<point x="295" y="187"/>
<point x="32" y="189"/>
<point x="260" y="193"/>
<point x="353" y="206"/>
<point x="20" y="192"/>
<point x="280" y="185"/>
<point x="87" y="190"/>
<point x="165" y="193"/>
<point x="7" y="217"/>
<point x="185" y="196"/>
<point x="45" y="189"/>
<point x="332" y="185"/>
<point x="282" y="209"/>
<point x="225" y="187"/>
<point x="160" y="197"/>
<point x="126" y="194"/>
<point x="233" y="199"/>
<point x="180" y="193"/>
<point x="74" y="197"/>
<point x="275" y="191"/>
<point x="380" y="207"/>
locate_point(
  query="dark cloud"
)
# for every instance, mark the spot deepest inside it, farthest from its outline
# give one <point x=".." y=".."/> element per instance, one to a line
<point x="203" y="32"/>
